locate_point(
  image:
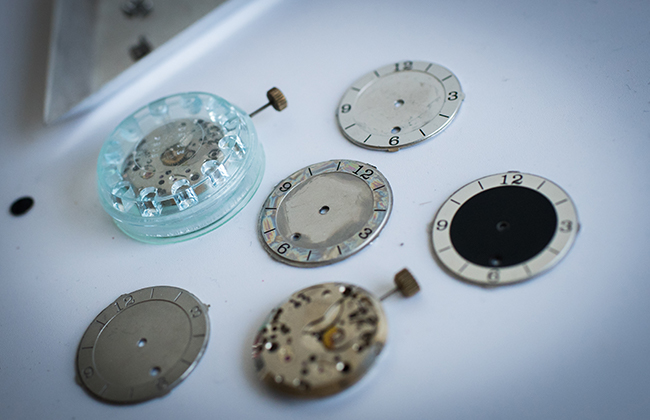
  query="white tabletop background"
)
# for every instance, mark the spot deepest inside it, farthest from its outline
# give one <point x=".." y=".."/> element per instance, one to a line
<point x="556" y="88"/>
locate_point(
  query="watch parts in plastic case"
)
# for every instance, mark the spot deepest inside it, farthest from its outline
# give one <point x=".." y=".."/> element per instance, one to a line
<point x="180" y="166"/>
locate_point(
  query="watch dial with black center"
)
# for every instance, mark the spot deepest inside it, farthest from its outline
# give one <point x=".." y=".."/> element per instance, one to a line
<point x="504" y="228"/>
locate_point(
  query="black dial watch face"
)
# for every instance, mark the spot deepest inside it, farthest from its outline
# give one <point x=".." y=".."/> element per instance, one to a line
<point x="503" y="226"/>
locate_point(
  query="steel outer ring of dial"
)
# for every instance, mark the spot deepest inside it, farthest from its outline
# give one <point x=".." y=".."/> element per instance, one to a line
<point x="143" y="345"/>
<point x="341" y="204"/>
<point x="399" y="105"/>
<point x="321" y="340"/>
<point x="562" y="233"/>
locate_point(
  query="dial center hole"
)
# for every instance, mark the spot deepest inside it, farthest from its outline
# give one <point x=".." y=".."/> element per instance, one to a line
<point x="324" y="210"/>
<point x="503" y="226"/>
<point x="142" y="342"/>
<point x="155" y="371"/>
<point x="395" y="130"/>
<point x="398" y="103"/>
<point x="295" y="236"/>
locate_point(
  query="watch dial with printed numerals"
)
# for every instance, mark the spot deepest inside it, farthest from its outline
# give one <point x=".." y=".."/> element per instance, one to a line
<point x="504" y="228"/>
<point x="325" y="212"/>
<point x="399" y="105"/>
<point x="143" y="344"/>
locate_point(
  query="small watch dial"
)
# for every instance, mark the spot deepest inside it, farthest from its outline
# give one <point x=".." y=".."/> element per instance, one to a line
<point x="143" y="344"/>
<point x="325" y="212"/>
<point x="504" y="228"/>
<point x="399" y="105"/>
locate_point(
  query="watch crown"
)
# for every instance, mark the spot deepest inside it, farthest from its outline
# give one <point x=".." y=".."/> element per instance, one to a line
<point x="406" y="283"/>
<point x="277" y="99"/>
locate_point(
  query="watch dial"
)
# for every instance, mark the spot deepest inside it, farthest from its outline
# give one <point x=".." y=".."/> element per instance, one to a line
<point x="325" y="212"/>
<point x="504" y="228"/>
<point x="399" y="105"/>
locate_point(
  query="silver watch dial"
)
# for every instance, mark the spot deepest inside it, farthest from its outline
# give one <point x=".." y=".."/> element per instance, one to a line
<point x="325" y="212"/>
<point x="399" y="105"/>
<point x="504" y="228"/>
<point x="143" y="344"/>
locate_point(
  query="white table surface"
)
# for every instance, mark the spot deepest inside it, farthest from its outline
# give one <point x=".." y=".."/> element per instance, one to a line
<point x="560" y="89"/>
